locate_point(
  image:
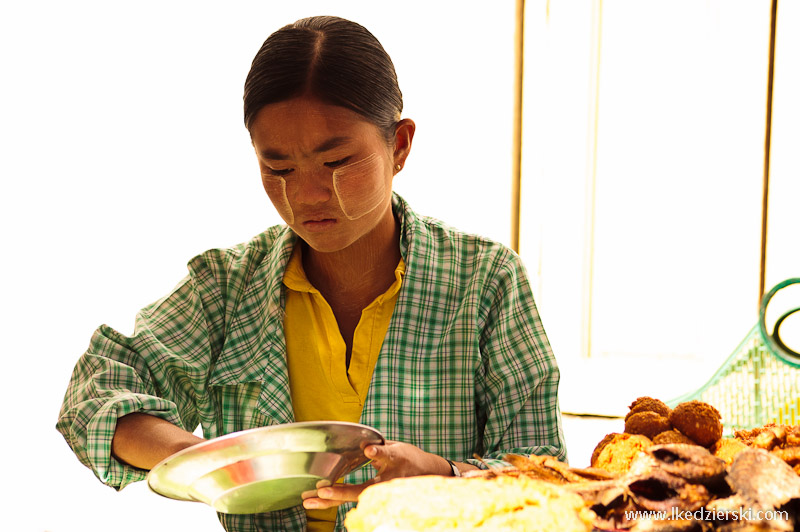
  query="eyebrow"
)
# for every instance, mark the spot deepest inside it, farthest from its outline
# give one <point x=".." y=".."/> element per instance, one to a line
<point x="331" y="143"/>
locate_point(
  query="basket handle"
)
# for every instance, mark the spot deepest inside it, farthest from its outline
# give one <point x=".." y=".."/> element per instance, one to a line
<point x="774" y="341"/>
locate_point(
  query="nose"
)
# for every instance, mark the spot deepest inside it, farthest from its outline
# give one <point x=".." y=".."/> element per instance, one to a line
<point x="313" y="188"/>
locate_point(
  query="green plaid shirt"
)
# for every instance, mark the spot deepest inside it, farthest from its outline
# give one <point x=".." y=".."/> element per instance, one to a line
<point x="465" y="366"/>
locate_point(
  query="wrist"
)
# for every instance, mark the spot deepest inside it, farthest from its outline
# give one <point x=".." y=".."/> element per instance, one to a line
<point x="454" y="470"/>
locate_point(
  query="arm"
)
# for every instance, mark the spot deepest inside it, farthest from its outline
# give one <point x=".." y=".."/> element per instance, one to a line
<point x="142" y="440"/>
<point x="517" y="393"/>
<point x="155" y="371"/>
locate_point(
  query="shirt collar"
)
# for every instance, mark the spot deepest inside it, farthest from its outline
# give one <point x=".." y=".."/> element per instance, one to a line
<point x="295" y="276"/>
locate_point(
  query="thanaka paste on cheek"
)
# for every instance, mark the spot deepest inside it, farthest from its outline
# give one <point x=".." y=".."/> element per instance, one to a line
<point x="276" y="190"/>
<point x="360" y="186"/>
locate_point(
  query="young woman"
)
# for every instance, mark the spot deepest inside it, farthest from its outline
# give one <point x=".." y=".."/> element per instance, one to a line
<point x="358" y="309"/>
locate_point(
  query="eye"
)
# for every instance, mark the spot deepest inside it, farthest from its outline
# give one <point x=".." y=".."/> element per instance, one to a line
<point x="275" y="172"/>
<point x="335" y="164"/>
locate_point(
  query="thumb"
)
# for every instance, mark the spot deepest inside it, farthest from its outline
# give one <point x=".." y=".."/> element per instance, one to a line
<point x="376" y="452"/>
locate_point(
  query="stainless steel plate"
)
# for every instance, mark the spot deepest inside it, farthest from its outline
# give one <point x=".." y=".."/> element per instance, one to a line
<point x="264" y="469"/>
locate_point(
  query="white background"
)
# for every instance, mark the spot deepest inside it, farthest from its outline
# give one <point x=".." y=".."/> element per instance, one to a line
<point x="124" y="154"/>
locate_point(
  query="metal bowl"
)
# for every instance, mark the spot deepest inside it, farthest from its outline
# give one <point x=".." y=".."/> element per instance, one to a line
<point x="264" y="469"/>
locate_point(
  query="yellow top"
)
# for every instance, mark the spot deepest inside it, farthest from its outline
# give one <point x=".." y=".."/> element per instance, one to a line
<point x="322" y="387"/>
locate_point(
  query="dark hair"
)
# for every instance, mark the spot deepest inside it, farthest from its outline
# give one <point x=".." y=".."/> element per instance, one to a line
<point x="335" y="60"/>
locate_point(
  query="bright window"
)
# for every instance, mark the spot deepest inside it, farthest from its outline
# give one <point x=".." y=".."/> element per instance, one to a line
<point x="642" y="186"/>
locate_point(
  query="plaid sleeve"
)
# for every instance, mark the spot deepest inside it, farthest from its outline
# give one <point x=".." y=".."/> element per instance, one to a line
<point x="155" y="371"/>
<point x="518" y="391"/>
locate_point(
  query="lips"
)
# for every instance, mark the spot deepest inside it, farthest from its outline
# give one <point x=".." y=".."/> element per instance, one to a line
<point x="319" y="223"/>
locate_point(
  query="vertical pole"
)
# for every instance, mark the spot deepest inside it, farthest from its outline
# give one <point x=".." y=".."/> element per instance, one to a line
<point x="516" y="148"/>
<point x="767" y="141"/>
<point x="591" y="178"/>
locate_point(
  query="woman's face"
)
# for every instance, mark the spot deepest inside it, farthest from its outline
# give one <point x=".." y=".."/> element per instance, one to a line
<point x="327" y="171"/>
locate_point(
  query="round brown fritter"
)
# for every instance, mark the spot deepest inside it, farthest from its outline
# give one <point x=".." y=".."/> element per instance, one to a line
<point x="618" y="452"/>
<point x="647" y="424"/>
<point x="699" y="421"/>
<point x="727" y="448"/>
<point x="648" y="404"/>
<point x="599" y="447"/>
<point x="672" y="436"/>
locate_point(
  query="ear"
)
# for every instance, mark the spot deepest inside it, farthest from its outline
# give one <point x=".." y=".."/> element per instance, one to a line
<point x="403" y="135"/>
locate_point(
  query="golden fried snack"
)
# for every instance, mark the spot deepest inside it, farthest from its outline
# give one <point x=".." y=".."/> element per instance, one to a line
<point x="433" y="503"/>
<point x="699" y="421"/>
<point x="727" y="448"/>
<point x="618" y="452"/>
<point x="793" y="436"/>
<point x="648" y="404"/>
<point x="553" y="470"/>
<point x="769" y="439"/>
<point x="672" y="436"/>
<point x="599" y="447"/>
<point x="647" y="423"/>
<point x="790" y="455"/>
<point x="748" y="436"/>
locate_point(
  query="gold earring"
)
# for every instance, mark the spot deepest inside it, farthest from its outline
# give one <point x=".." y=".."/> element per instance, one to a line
<point x="398" y="167"/>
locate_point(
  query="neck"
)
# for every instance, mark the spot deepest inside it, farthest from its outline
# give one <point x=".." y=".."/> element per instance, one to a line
<point x="364" y="269"/>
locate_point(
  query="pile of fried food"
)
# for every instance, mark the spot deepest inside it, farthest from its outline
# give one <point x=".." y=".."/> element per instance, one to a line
<point x="651" y="422"/>
<point x="671" y="470"/>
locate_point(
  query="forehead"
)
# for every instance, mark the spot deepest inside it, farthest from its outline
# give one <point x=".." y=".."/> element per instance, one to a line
<point x="305" y="124"/>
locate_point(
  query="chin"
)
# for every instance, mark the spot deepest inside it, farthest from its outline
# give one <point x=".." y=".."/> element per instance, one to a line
<point x="327" y="243"/>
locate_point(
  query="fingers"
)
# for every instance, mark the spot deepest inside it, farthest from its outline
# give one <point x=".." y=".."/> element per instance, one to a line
<point x="379" y="452"/>
<point x="315" y="503"/>
<point x="335" y="495"/>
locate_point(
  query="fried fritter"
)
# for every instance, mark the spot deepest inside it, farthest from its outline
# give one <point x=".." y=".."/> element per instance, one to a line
<point x="770" y="436"/>
<point x="648" y="404"/>
<point x="748" y="436"/>
<point x="647" y="423"/>
<point x="551" y="469"/>
<point x="727" y="449"/>
<point x="790" y="455"/>
<point x="672" y="436"/>
<point x="599" y="447"/>
<point x="699" y="421"/>
<point x="617" y="452"/>
<point x="690" y="462"/>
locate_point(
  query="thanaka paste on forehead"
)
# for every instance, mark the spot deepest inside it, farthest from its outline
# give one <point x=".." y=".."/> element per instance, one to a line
<point x="276" y="190"/>
<point x="360" y="187"/>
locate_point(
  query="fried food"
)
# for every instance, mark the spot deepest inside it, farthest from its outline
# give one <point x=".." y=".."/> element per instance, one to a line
<point x="550" y="469"/>
<point x="727" y="449"/>
<point x="763" y="479"/>
<point x="661" y="491"/>
<point x="699" y="421"/>
<point x="770" y="436"/>
<point x="429" y="503"/>
<point x="672" y="436"/>
<point x="790" y="455"/>
<point x="617" y="451"/>
<point x="690" y="462"/>
<point x="648" y="404"/>
<point x="748" y="436"/>
<point x="599" y="447"/>
<point x="647" y="423"/>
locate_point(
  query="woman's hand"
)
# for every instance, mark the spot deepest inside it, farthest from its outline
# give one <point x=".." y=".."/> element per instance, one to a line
<point x="393" y="460"/>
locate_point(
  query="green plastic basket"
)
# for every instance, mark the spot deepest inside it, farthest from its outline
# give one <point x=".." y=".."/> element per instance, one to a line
<point x="760" y="381"/>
